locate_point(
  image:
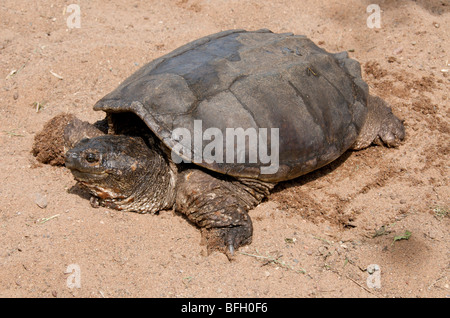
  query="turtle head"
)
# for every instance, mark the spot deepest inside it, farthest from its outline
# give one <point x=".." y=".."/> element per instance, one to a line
<point x="121" y="172"/>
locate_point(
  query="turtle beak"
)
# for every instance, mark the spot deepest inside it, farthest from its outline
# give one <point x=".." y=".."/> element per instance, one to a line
<point x="73" y="155"/>
<point x="72" y="159"/>
<point x="81" y="172"/>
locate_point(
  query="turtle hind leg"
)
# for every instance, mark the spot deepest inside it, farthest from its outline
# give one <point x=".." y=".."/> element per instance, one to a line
<point x="382" y="127"/>
<point x="219" y="207"/>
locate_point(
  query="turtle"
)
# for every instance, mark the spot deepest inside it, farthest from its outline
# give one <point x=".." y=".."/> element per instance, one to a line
<point x="210" y="128"/>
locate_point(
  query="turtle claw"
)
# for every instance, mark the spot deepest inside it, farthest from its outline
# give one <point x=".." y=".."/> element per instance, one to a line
<point x="95" y="202"/>
<point x="227" y="239"/>
<point x="230" y="252"/>
<point x="231" y="249"/>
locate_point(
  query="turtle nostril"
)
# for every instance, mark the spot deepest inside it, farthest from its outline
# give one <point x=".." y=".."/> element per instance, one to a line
<point x="70" y="159"/>
<point x="92" y="157"/>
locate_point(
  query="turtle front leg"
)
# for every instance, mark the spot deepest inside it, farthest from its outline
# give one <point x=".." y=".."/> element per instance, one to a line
<point x="219" y="207"/>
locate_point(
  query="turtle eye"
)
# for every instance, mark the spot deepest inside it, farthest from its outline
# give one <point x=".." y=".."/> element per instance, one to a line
<point x="92" y="157"/>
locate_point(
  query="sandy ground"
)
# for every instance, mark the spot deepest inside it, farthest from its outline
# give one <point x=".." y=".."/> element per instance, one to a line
<point x="314" y="236"/>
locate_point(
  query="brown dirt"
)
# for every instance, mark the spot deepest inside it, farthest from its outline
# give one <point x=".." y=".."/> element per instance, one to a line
<point x="318" y="233"/>
<point x="48" y="146"/>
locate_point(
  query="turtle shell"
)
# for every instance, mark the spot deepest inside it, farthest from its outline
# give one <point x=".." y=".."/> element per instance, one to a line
<point x="208" y="100"/>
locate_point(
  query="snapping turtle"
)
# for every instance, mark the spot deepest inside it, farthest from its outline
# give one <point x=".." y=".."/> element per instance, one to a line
<point x="211" y="127"/>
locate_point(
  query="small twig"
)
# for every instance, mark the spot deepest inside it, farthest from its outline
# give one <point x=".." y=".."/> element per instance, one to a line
<point x="13" y="72"/>
<point x="56" y="75"/>
<point x="39" y="106"/>
<point x="257" y="256"/>
<point x="43" y="220"/>
<point x="187" y="280"/>
<point x="432" y="284"/>
<point x="322" y="239"/>
<point x="311" y="71"/>
<point x="351" y="279"/>
<point x="381" y="231"/>
<point x="271" y="259"/>
<point x="367" y="290"/>
<point x="13" y="134"/>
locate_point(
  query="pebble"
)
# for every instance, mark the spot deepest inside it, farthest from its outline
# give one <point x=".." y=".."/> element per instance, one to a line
<point x="431" y="234"/>
<point x="391" y="59"/>
<point x="40" y="200"/>
<point x="398" y="50"/>
<point x="323" y="250"/>
<point x="372" y="269"/>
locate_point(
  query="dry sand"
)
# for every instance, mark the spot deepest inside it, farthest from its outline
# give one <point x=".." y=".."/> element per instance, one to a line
<point x="314" y="236"/>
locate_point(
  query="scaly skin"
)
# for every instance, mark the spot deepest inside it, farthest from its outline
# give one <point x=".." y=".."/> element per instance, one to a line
<point x="382" y="127"/>
<point x="123" y="173"/>
<point x="219" y="207"/>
